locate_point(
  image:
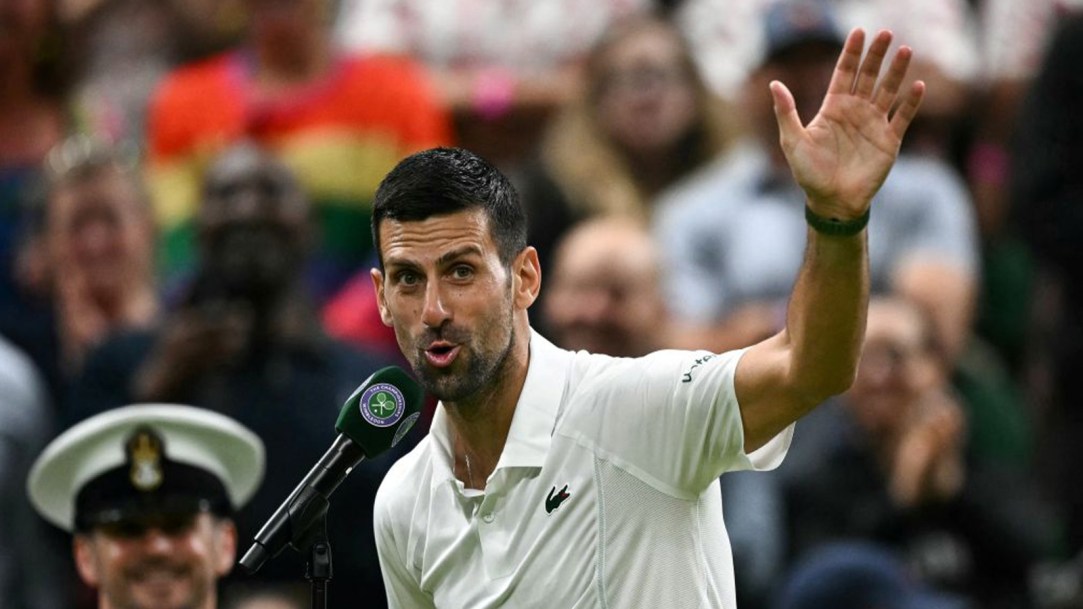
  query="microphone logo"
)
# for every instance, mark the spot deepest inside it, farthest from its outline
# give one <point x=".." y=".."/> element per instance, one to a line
<point x="382" y="405"/>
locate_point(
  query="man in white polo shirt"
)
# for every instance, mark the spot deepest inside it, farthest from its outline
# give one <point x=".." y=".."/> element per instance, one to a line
<point x="572" y="480"/>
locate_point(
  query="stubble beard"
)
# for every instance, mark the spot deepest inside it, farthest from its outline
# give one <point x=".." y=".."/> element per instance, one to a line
<point x="483" y="372"/>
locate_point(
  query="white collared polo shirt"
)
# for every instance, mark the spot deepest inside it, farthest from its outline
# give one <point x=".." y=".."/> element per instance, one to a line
<point x="605" y="496"/>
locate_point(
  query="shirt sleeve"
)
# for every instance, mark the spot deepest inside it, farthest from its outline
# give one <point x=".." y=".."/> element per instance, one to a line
<point x="671" y="418"/>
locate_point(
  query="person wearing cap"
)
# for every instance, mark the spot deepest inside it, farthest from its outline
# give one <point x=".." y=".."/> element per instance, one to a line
<point x="149" y="491"/>
<point x="244" y="340"/>
<point x="731" y="237"/>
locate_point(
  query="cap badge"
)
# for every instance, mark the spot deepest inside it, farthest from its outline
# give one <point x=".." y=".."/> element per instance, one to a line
<point x="145" y="455"/>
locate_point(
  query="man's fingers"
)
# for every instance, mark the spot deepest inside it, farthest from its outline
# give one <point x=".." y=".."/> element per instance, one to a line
<point x="870" y="68"/>
<point x="842" y="80"/>
<point x="789" y="123"/>
<point x="889" y="87"/>
<point x="907" y="109"/>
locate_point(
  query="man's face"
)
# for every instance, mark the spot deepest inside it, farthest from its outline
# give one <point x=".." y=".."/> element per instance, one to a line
<point x="173" y="567"/>
<point x="450" y="300"/>
<point x="604" y="296"/>
<point x="253" y="223"/>
<point x="98" y="228"/>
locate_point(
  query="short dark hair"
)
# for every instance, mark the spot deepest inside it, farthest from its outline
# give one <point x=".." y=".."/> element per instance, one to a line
<point x="443" y="181"/>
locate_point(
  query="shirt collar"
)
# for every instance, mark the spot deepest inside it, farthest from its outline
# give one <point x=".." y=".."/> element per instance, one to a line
<point x="535" y="415"/>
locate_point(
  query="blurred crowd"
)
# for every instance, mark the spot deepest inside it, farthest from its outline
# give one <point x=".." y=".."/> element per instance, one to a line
<point x="185" y="190"/>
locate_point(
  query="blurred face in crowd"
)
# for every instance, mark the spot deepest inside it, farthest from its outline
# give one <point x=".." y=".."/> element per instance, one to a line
<point x="253" y="224"/>
<point x="454" y="305"/>
<point x="98" y="227"/>
<point x="164" y="566"/>
<point x="645" y="99"/>
<point x="898" y="365"/>
<point x="604" y="295"/>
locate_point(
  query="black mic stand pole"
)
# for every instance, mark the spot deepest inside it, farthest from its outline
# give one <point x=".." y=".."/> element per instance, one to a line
<point x="310" y="539"/>
<point x="318" y="567"/>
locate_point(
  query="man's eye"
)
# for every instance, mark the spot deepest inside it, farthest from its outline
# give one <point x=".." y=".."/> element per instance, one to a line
<point x="462" y="272"/>
<point x="408" y="278"/>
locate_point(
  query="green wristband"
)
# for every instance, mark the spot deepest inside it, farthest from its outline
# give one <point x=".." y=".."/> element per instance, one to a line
<point x="836" y="228"/>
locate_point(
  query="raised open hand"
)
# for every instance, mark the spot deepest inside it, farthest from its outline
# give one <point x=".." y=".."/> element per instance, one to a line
<point x="845" y="152"/>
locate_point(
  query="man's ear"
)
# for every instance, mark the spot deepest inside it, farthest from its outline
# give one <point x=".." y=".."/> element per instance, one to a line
<point x="225" y="539"/>
<point x="381" y="302"/>
<point x="86" y="562"/>
<point x="526" y="277"/>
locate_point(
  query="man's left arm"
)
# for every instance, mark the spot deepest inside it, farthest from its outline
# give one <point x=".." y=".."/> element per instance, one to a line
<point x="840" y="159"/>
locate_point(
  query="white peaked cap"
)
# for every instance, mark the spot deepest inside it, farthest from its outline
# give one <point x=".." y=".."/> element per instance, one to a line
<point x="193" y="436"/>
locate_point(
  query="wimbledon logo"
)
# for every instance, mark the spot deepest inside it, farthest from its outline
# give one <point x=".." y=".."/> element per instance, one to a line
<point x="382" y="405"/>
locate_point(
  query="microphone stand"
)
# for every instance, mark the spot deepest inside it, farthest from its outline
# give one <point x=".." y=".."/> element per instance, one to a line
<point x="318" y="565"/>
<point x="303" y="517"/>
<point x="309" y="537"/>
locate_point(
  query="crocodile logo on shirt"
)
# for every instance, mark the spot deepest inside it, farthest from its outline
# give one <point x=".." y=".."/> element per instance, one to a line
<point x="552" y="502"/>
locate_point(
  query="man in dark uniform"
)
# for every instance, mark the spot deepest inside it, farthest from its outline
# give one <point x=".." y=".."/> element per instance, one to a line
<point x="149" y="492"/>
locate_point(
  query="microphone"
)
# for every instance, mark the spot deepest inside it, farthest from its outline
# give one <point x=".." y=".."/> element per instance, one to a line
<point x="374" y="418"/>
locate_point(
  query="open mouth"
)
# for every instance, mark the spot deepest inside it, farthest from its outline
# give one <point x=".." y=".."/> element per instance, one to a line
<point x="441" y="354"/>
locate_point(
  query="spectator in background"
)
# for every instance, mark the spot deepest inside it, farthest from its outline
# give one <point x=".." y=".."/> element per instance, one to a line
<point x="339" y="121"/>
<point x="91" y="248"/>
<point x="733" y="242"/>
<point x="885" y="463"/>
<point x="605" y="291"/>
<point x="245" y="342"/>
<point x="644" y="122"/>
<point x="149" y="492"/>
<point x="502" y="66"/>
<point x="30" y="571"/>
<point x="32" y="117"/>
<point x="729" y="42"/>
<point x="1047" y="200"/>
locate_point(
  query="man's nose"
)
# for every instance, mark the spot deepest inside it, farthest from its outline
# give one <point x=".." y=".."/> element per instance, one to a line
<point x="435" y="312"/>
<point x="155" y="541"/>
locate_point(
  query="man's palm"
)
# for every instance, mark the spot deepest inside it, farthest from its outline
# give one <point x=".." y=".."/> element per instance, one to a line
<point x="845" y="152"/>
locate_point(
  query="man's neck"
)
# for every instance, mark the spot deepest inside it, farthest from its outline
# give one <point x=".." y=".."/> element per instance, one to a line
<point x="481" y="423"/>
